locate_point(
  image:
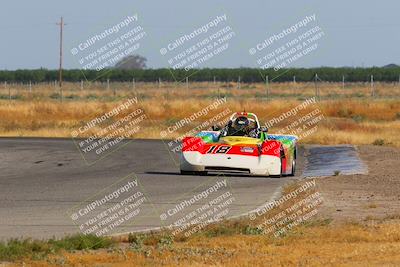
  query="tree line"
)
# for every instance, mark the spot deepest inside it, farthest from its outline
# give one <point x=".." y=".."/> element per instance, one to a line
<point x="247" y="75"/>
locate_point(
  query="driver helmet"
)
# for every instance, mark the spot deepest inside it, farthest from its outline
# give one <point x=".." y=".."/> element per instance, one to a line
<point x="241" y="123"/>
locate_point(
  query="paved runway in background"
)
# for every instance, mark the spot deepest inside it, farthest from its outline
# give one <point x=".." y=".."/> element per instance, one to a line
<point x="43" y="181"/>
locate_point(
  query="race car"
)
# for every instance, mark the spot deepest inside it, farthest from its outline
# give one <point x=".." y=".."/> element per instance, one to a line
<point x="243" y="146"/>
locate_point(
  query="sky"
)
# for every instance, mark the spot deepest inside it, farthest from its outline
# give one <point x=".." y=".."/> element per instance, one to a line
<point x="359" y="33"/>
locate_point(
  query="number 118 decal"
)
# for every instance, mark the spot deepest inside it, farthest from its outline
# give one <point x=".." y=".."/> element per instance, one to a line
<point x="218" y="149"/>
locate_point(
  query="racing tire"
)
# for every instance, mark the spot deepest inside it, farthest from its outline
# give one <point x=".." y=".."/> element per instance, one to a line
<point x="282" y="156"/>
<point x="201" y="173"/>
<point x="293" y="172"/>
<point x="281" y="175"/>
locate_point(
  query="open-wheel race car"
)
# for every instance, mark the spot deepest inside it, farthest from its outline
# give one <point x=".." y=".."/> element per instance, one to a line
<point x="241" y="146"/>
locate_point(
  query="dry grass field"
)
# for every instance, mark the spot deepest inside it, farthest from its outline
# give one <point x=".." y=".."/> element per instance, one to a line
<point x="350" y="114"/>
<point x="347" y="245"/>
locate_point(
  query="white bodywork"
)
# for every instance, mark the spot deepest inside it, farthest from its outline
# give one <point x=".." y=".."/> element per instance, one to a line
<point x="262" y="165"/>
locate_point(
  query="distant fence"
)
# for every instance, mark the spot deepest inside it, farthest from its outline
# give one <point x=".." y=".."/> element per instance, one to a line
<point x="244" y="75"/>
<point x="264" y="90"/>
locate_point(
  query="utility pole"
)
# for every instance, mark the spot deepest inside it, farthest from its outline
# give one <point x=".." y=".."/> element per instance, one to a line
<point x="372" y="86"/>
<point x="294" y="85"/>
<point x="342" y="81"/>
<point x="61" y="24"/>
<point x="9" y="91"/>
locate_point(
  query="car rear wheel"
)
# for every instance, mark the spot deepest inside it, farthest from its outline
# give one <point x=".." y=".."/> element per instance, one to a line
<point x="293" y="172"/>
<point x="282" y="162"/>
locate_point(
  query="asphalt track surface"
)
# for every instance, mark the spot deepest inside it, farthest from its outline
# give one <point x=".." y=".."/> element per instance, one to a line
<point x="45" y="182"/>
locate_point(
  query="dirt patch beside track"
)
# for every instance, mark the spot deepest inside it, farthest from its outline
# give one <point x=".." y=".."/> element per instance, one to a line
<point x="364" y="197"/>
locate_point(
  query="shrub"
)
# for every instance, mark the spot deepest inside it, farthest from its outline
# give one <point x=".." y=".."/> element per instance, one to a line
<point x="252" y="230"/>
<point x="136" y="241"/>
<point x="379" y="142"/>
<point x="165" y="242"/>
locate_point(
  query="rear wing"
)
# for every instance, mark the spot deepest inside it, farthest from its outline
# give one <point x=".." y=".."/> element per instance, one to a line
<point x="282" y="137"/>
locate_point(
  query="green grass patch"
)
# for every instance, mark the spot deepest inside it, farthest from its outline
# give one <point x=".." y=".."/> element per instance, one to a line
<point x="317" y="222"/>
<point x="55" y="96"/>
<point x="220" y="230"/>
<point x="21" y="248"/>
<point x="72" y="97"/>
<point x="13" y="97"/>
<point x="249" y="230"/>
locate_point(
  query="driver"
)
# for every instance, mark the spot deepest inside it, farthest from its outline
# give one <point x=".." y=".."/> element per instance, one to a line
<point x="241" y="126"/>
